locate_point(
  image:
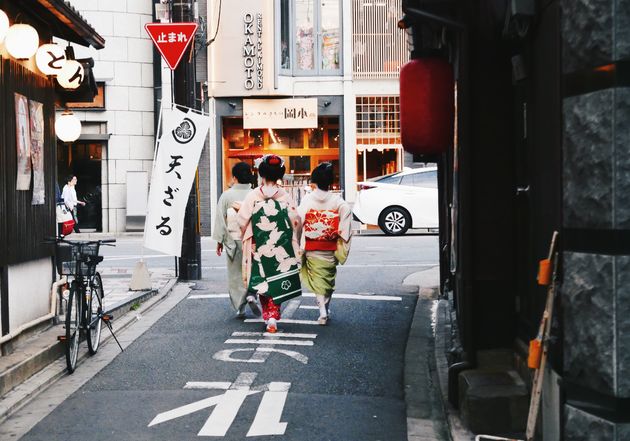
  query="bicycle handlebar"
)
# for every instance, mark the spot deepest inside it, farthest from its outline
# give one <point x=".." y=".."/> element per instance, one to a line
<point x="107" y="242"/>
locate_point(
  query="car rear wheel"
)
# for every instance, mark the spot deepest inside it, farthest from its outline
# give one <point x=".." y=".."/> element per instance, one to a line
<point x="394" y="221"/>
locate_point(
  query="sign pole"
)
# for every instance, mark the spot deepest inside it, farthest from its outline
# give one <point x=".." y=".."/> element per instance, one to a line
<point x="183" y="85"/>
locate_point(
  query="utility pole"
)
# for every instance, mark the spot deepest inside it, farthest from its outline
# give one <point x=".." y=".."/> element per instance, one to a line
<point x="184" y="92"/>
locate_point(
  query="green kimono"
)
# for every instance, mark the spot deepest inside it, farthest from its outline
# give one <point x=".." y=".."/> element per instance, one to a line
<point x="275" y="271"/>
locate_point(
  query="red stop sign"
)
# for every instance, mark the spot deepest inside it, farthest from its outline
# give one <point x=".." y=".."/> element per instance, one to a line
<point x="171" y="39"/>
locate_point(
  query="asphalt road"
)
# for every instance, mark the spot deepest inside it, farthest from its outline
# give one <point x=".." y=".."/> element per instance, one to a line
<point x="200" y="372"/>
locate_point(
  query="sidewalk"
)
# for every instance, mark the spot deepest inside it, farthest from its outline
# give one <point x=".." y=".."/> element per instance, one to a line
<point x="36" y="349"/>
<point x="430" y="417"/>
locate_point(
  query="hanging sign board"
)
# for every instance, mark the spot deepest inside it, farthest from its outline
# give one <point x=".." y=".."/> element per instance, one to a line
<point x="179" y="149"/>
<point x="296" y="113"/>
<point x="171" y="39"/>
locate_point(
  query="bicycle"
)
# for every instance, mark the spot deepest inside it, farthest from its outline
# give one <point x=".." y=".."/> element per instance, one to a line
<point x="85" y="314"/>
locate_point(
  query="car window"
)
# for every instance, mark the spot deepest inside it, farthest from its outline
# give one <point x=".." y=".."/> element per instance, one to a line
<point x="407" y="180"/>
<point x="425" y="179"/>
<point x="391" y="179"/>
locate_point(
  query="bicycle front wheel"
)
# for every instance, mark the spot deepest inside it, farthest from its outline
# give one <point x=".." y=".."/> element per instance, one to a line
<point x="73" y="322"/>
<point x="95" y="313"/>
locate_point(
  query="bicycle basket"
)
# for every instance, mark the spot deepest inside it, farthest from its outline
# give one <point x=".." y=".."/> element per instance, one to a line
<point x="77" y="259"/>
<point x="65" y="259"/>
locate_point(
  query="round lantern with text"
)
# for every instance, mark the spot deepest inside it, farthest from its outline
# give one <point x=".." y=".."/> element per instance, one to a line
<point x="21" y="41"/>
<point x="4" y="25"/>
<point x="50" y="58"/>
<point x="71" y="75"/>
<point x="427" y="107"/>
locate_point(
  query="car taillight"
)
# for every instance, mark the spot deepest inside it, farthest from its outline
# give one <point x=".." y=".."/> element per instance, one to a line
<point x="365" y="187"/>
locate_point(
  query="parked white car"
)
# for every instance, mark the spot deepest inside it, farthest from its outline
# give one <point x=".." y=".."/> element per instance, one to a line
<point x="397" y="202"/>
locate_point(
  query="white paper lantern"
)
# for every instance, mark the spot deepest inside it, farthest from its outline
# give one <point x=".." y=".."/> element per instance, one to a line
<point x="4" y="25"/>
<point x="21" y="41"/>
<point x="68" y="127"/>
<point x="71" y="75"/>
<point x="50" y="58"/>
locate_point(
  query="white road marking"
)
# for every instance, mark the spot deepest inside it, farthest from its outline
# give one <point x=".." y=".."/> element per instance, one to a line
<point x="224" y="413"/>
<point x="228" y="404"/>
<point x="268" y="334"/>
<point x="370" y="297"/>
<point x="209" y="296"/>
<point x="292" y="306"/>
<point x="188" y="409"/>
<point x="390" y="265"/>
<point x="297" y="322"/>
<point x="222" y="385"/>
<point x="259" y="355"/>
<point x="267" y="341"/>
<point x="267" y="419"/>
<point x="309" y="307"/>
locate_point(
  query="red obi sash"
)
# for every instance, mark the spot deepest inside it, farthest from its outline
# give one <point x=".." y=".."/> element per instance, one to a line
<point x="321" y="228"/>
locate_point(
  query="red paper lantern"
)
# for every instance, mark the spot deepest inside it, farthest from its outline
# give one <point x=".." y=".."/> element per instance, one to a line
<point x="427" y="108"/>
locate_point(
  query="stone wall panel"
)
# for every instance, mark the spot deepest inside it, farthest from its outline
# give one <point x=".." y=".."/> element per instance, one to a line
<point x="588" y="160"/>
<point x="588" y="311"/>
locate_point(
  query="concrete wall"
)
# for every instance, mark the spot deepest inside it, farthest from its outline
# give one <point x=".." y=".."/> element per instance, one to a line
<point x="596" y="203"/>
<point x="29" y="291"/>
<point x="126" y="67"/>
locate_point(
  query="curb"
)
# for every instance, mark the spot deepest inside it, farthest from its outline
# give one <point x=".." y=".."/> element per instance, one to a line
<point x="40" y="378"/>
<point x="458" y="431"/>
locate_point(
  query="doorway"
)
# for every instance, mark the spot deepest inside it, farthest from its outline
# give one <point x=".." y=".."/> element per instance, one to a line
<point x="83" y="160"/>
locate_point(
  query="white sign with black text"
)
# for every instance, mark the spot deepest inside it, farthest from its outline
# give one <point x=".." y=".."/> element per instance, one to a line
<point x="179" y="149"/>
<point x="290" y="113"/>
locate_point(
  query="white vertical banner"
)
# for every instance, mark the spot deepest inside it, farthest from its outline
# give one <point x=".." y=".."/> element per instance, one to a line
<point x="179" y="149"/>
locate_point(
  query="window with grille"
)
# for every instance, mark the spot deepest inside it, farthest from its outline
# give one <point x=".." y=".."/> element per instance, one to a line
<point x="379" y="46"/>
<point x="378" y="120"/>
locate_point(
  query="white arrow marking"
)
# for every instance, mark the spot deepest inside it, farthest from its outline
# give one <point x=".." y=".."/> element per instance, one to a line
<point x="267" y="341"/>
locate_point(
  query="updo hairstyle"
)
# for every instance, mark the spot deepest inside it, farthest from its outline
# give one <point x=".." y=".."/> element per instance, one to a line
<point x="271" y="168"/>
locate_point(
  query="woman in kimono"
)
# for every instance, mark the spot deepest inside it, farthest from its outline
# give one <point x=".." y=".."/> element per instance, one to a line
<point x="228" y="235"/>
<point x="325" y="241"/>
<point x="271" y="227"/>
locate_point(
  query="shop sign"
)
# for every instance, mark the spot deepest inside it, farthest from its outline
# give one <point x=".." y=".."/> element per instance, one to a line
<point x="296" y="113"/>
<point x="171" y="39"/>
<point x="253" y="51"/>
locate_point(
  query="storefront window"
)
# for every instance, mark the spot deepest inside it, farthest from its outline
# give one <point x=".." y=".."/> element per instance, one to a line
<point x="301" y="149"/>
<point x="285" y="34"/>
<point x="315" y="138"/>
<point x="379" y="150"/>
<point x="287" y="138"/>
<point x="304" y="35"/>
<point x="310" y="36"/>
<point x="331" y="37"/>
